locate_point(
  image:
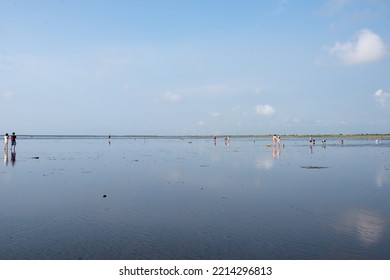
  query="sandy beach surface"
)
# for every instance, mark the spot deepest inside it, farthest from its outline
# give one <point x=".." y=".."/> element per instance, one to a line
<point x="183" y="198"/>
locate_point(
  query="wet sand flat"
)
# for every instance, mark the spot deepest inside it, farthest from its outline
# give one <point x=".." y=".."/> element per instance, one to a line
<point x="182" y="198"/>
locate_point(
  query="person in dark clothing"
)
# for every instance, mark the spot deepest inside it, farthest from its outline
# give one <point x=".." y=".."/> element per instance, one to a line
<point x="13" y="140"/>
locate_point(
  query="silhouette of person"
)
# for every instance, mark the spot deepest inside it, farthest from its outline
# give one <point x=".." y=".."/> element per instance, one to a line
<point x="13" y="141"/>
<point x="6" y="141"/>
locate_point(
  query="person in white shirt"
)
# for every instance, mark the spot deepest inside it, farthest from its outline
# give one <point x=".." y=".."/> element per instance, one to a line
<point x="6" y="141"/>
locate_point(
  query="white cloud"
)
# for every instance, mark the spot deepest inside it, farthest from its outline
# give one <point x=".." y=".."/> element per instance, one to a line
<point x="382" y="97"/>
<point x="266" y="110"/>
<point x="215" y="114"/>
<point x="172" y="97"/>
<point x="201" y="123"/>
<point x="367" y="48"/>
<point x="8" y="94"/>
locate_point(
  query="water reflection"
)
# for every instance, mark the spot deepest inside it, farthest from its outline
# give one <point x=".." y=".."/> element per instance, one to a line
<point x="13" y="157"/>
<point x="382" y="177"/>
<point x="6" y="156"/>
<point x="365" y="225"/>
<point x="265" y="163"/>
<point x="276" y="152"/>
<point x="227" y="141"/>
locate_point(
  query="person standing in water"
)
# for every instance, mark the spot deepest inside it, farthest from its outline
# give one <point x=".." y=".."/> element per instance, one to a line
<point x="6" y="141"/>
<point x="274" y="139"/>
<point x="13" y="141"/>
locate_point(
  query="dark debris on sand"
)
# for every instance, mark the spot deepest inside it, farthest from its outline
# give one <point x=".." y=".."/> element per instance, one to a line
<point x="314" y="167"/>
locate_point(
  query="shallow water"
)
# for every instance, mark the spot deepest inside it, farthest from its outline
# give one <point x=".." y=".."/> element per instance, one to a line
<point x="84" y="198"/>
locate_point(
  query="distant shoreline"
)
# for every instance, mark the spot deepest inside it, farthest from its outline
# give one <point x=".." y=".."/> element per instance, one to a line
<point x="318" y="136"/>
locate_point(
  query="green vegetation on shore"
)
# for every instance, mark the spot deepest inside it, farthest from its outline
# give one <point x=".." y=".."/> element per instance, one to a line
<point x="318" y="136"/>
<point x="315" y="136"/>
<point x="326" y="136"/>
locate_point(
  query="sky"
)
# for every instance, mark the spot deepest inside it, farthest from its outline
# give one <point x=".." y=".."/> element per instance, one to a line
<point x="194" y="67"/>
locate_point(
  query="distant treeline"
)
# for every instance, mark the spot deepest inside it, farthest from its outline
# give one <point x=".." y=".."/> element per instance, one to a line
<point x="325" y="136"/>
<point x="317" y="136"/>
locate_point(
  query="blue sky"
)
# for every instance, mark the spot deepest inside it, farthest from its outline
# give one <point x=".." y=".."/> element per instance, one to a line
<point x="179" y="67"/>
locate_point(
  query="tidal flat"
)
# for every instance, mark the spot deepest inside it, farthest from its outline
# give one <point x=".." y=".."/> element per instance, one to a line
<point x="184" y="198"/>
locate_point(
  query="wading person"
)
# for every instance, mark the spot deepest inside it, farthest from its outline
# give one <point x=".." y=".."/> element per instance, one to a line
<point x="6" y="141"/>
<point x="13" y="140"/>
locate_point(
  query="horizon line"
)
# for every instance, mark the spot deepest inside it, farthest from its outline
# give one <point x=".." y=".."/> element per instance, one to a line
<point x="207" y="135"/>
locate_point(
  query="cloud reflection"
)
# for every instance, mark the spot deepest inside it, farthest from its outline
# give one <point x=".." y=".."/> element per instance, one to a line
<point x="382" y="177"/>
<point x="364" y="225"/>
<point x="264" y="163"/>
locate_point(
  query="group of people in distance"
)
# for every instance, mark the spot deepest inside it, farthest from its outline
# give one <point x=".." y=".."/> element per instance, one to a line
<point x="276" y="139"/>
<point x="227" y="140"/>
<point x="13" y="141"/>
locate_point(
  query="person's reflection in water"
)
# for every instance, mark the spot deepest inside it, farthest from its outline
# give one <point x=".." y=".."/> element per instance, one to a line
<point x="6" y="157"/>
<point x="13" y="157"/>
<point x="276" y="152"/>
<point x="227" y="141"/>
<point x="323" y="144"/>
